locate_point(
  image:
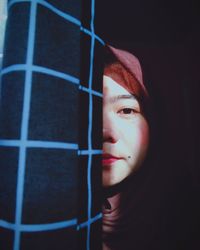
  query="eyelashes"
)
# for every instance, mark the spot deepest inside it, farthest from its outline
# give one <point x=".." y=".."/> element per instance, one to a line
<point x="127" y="112"/>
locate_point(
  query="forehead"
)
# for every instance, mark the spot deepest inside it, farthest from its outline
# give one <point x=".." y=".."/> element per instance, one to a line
<point x="112" y="88"/>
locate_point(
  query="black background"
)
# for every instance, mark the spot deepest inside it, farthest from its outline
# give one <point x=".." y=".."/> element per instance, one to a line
<point x="165" y="36"/>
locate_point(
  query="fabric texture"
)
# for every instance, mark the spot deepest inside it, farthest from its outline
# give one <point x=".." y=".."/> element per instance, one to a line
<point x="50" y="140"/>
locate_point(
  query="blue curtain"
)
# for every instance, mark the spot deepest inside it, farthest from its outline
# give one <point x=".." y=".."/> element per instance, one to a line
<point x="3" y="17"/>
<point x="50" y="127"/>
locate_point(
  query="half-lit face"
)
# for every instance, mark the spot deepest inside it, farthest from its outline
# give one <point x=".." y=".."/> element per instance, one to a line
<point x="125" y="133"/>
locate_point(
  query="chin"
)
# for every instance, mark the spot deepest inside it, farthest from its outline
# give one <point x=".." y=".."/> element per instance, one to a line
<point x="111" y="180"/>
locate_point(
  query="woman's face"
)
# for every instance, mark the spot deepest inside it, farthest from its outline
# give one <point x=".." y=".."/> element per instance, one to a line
<point x="125" y="133"/>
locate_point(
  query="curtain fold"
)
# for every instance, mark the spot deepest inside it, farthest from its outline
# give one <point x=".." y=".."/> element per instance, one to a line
<point x="50" y="127"/>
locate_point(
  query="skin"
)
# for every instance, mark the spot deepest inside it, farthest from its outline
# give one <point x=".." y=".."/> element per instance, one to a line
<point x="125" y="133"/>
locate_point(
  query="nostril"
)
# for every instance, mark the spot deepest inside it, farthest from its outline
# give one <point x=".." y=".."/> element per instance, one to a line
<point x="109" y="136"/>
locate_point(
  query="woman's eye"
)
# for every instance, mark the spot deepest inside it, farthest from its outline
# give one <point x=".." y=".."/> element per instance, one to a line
<point x="127" y="111"/>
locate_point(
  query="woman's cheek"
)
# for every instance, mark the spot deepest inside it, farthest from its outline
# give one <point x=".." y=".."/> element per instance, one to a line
<point x="144" y="134"/>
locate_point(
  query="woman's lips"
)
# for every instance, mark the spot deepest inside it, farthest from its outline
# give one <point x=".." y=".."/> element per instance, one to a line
<point x="108" y="159"/>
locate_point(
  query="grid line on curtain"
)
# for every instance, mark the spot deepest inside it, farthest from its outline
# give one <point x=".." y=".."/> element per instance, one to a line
<point x="19" y="143"/>
<point x="91" y="96"/>
<point x="24" y="126"/>
<point x="90" y="125"/>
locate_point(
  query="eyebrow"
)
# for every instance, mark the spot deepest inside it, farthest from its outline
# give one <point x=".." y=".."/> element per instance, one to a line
<point x="122" y="97"/>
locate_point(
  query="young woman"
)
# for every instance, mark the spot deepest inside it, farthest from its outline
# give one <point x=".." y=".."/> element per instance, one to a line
<point x="127" y="146"/>
<point x="149" y="199"/>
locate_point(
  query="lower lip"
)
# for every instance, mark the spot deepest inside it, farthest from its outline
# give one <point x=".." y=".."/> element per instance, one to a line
<point x="109" y="161"/>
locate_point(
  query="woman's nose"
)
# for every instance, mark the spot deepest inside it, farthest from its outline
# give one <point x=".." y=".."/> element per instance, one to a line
<point x="110" y="130"/>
